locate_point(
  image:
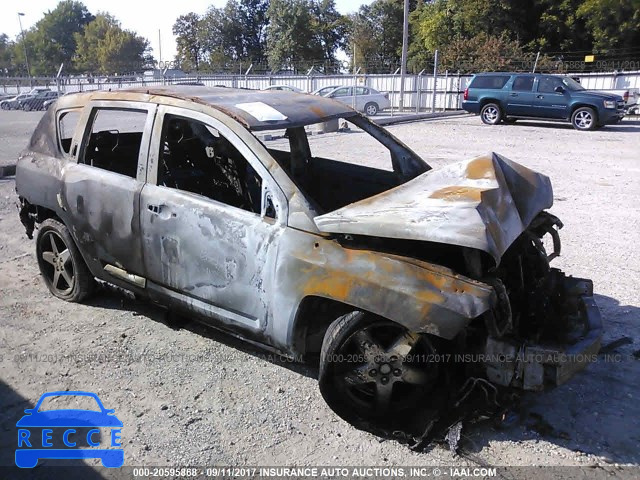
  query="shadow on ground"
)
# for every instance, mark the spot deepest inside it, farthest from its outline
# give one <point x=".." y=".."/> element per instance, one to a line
<point x="597" y="412"/>
<point x="12" y="406"/>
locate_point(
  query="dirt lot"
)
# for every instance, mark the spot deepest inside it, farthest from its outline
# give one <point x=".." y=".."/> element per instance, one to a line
<point x="197" y="397"/>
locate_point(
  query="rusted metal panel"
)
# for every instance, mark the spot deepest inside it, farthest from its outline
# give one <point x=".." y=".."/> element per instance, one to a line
<point x="421" y="296"/>
<point x="485" y="203"/>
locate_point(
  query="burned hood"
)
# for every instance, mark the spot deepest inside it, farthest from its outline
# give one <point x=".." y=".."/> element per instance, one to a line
<point x="484" y="203"/>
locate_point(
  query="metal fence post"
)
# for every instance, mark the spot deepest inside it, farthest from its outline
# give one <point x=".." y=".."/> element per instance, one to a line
<point x="446" y="90"/>
<point x="419" y="90"/>
<point x="435" y="82"/>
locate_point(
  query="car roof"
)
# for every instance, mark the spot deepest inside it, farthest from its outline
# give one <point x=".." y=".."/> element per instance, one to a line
<point x="256" y="109"/>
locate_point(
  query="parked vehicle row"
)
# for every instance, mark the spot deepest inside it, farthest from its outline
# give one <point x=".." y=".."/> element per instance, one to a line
<point x="363" y="99"/>
<point x="38" y="98"/>
<point x="507" y="97"/>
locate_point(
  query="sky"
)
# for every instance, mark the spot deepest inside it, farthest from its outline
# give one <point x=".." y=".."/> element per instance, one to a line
<point x="144" y="17"/>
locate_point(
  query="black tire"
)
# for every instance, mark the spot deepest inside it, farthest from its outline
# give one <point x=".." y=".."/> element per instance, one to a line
<point x="375" y="370"/>
<point x="61" y="265"/>
<point x="491" y="114"/>
<point x="371" y="109"/>
<point x="584" y="119"/>
<point x="26" y="107"/>
<point x="5" y="106"/>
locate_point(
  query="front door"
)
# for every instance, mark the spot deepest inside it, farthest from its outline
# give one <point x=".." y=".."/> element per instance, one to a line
<point x="101" y="192"/>
<point x="210" y="230"/>
<point x="549" y="103"/>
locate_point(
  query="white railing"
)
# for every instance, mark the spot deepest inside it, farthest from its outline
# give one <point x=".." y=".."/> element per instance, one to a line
<point x="419" y="90"/>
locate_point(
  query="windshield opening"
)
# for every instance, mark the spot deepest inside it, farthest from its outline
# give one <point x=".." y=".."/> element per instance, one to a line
<point x="355" y="159"/>
<point x="571" y="84"/>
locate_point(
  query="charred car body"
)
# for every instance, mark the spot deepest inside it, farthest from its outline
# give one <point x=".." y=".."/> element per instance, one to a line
<point x="168" y="193"/>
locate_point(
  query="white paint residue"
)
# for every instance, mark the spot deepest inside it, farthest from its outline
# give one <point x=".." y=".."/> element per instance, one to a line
<point x="262" y="111"/>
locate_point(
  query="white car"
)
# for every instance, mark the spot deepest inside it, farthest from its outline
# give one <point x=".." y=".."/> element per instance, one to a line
<point x="286" y="88"/>
<point x="363" y="99"/>
<point x="323" y="91"/>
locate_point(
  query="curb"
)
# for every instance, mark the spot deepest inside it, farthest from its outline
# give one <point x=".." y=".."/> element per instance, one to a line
<point x="419" y="116"/>
<point x="7" y="171"/>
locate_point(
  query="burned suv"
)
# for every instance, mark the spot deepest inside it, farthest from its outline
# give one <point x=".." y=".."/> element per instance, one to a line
<point x="213" y="202"/>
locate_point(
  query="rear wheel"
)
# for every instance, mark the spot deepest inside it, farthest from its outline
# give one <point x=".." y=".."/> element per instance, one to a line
<point x="371" y="109"/>
<point x="491" y="114"/>
<point x="584" y="118"/>
<point x="372" y="369"/>
<point x="61" y="265"/>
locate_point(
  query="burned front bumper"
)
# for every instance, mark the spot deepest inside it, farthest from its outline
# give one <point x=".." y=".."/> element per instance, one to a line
<point x="536" y="366"/>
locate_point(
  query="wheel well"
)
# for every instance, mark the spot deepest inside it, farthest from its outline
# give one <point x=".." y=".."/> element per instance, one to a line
<point x="484" y="101"/>
<point x="31" y="214"/>
<point x="580" y="105"/>
<point x="313" y="317"/>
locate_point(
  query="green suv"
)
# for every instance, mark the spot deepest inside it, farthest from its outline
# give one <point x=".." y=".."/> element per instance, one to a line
<point x="507" y="97"/>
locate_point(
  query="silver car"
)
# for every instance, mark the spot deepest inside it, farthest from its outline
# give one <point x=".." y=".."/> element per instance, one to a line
<point x="363" y="99"/>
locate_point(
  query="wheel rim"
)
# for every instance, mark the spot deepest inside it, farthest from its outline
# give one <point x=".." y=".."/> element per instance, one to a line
<point x="371" y="110"/>
<point x="584" y="119"/>
<point x="387" y="368"/>
<point x="57" y="263"/>
<point x="490" y="114"/>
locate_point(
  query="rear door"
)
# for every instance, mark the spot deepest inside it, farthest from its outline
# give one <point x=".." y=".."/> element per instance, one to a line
<point x="101" y="192"/>
<point x="520" y="97"/>
<point x="547" y="102"/>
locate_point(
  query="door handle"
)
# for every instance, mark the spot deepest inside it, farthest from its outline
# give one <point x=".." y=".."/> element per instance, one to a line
<point x="540" y="96"/>
<point x="154" y="208"/>
<point x="513" y="94"/>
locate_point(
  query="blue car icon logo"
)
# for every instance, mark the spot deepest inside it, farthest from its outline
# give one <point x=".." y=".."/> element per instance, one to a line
<point x="69" y="433"/>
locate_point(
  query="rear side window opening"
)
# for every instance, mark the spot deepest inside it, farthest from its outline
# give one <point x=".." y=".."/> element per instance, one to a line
<point x="67" y="123"/>
<point x="114" y="140"/>
<point x="495" y="82"/>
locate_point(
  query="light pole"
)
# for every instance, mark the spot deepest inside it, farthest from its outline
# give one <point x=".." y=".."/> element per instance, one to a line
<point x="24" y="44"/>
<point x="403" y="62"/>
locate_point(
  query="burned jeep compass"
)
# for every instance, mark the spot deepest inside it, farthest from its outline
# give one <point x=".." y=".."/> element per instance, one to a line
<point x="388" y="276"/>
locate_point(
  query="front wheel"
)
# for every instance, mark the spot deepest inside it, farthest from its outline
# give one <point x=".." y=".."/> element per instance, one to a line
<point x="584" y="118"/>
<point x="61" y="265"/>
<point x="372" y="369"/>
<point x="371" y="109"/>
<point x="491" y="114"/>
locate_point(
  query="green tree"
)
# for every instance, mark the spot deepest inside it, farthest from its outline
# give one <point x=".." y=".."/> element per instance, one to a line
<point x="236" y="32"/>
<point x="7" y="58"/>
<point x="613" y="24"/>
<point x="188" y="41"/>
<point x="104" y="47"/>
<point x="375" y="35"/>
<point x="291" y="41"/>
<point x="330" y="29"/>
<point x="52" y="40"/>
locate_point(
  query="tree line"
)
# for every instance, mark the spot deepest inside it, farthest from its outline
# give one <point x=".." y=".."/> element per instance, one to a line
<point x="297" y="35"/>
<point x="85" y="43"/>
<point x="469" y="34"/>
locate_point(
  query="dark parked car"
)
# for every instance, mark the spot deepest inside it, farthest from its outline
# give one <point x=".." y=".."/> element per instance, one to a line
<point x="510" y="96"/>
<point x="170" y="193"/>
<point x="37" y="101"/>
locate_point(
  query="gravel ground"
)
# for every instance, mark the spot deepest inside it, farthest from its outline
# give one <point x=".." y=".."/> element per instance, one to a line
<point x="197" y="397"/>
